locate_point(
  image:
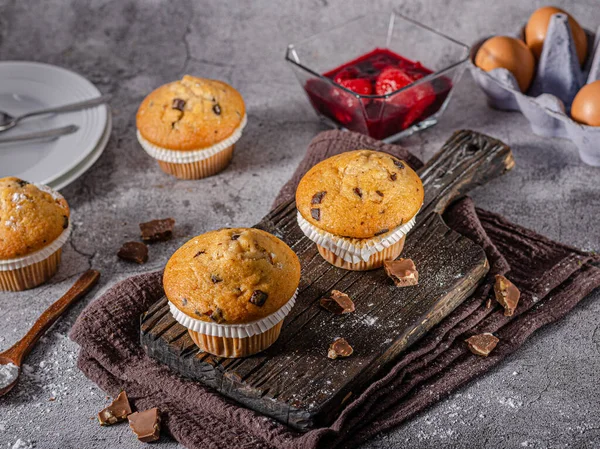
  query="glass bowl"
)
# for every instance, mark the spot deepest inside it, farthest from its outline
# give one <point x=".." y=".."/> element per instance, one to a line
<point x="394" y="113"/>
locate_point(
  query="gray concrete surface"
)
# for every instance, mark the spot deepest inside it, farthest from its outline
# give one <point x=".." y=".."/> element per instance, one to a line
<point x="546" y="395"/>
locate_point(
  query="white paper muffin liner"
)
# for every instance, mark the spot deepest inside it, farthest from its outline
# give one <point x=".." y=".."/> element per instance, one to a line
<point x="233" y="330"/>
<point x="46" y="251"/>
<point x="185" y="157"/>
<point x="353" y="250"/>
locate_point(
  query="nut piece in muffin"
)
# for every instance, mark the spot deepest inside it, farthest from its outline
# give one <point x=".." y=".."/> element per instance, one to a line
<point x="190" y="126"/>
<point x="358" y="206"/>
<point x="34" y="224"/>
<point x="232" y="288"/>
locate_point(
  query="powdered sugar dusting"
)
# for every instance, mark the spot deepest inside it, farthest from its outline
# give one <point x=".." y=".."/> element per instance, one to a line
<point x="8" y="374"/>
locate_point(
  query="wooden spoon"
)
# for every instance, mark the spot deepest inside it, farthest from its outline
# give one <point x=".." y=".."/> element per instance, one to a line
<point x="20" y="349"/>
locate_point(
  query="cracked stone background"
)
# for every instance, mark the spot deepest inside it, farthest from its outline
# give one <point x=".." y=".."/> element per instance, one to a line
<point x="545" y="395"/>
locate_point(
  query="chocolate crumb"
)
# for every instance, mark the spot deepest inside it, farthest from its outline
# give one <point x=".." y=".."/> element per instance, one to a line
<point x="339" y="348"/>
<point x="217" y="109"/>
<point x="482" y="344"/>
<point x="146" y="425"/>
<point x="215" y="279"/>
<point x="216" y="315"/>
<point x="402" y="271"/>
<point x="507" y="294"/>
<point x="258" y="298"/>
<point x="338" y="303"/>
<point x="133" y="252"/>
<point x="157" y="230"/>
<point x="383" y="231"/>
<point x="21" y="182"/>
<point x="316" y="214"/>
<point x="178" y="104"/>
<point x="379" y="193"/>
<point x="65" y="222"/>
<point x="199" y="253"/>
<point x="318" y="197"/>
<point x="116" y="412"/>
<point x="398" y="164"/>
<point x="393" y="176"/>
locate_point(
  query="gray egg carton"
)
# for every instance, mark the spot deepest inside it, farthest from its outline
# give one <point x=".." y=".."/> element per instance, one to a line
<point x="558" y="78"/>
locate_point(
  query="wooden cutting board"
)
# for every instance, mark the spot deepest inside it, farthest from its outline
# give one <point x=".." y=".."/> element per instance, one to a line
<point x="294" y="381"/>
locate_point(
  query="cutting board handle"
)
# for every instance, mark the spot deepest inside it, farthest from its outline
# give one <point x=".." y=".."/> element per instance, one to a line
<point x="468" y="159"/>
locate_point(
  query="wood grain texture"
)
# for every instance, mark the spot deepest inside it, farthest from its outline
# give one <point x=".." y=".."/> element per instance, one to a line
<point x="294" y="381"/>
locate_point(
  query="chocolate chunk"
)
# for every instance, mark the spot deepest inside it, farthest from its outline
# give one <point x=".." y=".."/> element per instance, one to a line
<point x="216" y="315"/>
<point x="199" y="253"/>
<point x="358" y="191"/>
<point x="402" y="271"/>
<point x="157" y="230"/>
<point x="482" y="344"/>
<point x="133" y="252"/>
<point x="65" y="222"/>
<point x="235" y="236"/>
<point x="178" y="104"/>
<point x="116" y="412"/>
<point x="393" y="176"/>
<point x="339" y="348"/>
<point x="318" y="197"/>
<point x="507" y="294"/>
<point x="215" y="279"/>
<point x="398" y="164"/>
<point x="338" y="303"/>
<point x="21" y="182"/>
<point x="258" y="298"/>
<point x="316" y="214"/>
<point x="379" y="193"/>
<point x="217" y="109"/>
<point x="146" y="425"/>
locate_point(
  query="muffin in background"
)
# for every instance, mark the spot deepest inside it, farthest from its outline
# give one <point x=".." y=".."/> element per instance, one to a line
<point x="358" y="207"/>
<point x="34" y="225"/>
<point x="232" y="289"/>
<point x="190" y="126"/>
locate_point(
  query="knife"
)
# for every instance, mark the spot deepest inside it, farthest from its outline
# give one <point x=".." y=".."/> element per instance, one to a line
<point x="49" y="133"/>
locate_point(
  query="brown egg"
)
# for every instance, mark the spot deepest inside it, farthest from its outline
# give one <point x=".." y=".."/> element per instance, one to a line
<point x="509" y="53"/>
<point x="586" y="105"/>
<point x="537" y="27"/>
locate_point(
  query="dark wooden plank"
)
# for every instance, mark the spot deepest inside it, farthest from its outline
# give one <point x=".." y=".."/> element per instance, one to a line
<point x="294" y="381"/>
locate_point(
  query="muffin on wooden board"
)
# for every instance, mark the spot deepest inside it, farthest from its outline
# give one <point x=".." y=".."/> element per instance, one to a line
<point x="232" y="288"/>
<point x="34" y="225"/>
<point x="190" y="126"/>
<point x="358" y="206"/>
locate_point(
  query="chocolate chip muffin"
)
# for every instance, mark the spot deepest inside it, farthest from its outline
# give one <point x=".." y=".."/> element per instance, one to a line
<point x="232" y="288"/>
<point x="190" y="126"/>
<point x="358" y="206"/>
<point x="34" y="225"/>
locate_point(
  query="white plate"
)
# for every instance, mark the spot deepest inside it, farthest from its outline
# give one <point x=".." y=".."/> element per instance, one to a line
<point x="62" y="181"/>
<point x="28" y="86"/>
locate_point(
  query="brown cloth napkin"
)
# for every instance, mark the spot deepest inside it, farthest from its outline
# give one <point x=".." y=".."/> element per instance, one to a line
<point x="552" y="277"/>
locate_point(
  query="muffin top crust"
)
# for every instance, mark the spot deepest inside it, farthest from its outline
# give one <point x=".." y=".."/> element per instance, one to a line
<point x="359" y="194"/>
<point x="232" y="276"/>
<point x="190" y="114"/>
<point x="30" y="217"/>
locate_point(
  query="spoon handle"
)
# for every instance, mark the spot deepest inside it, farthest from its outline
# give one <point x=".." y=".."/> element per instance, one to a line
<point x="68" y="107"/>
<point x="21" y="348"/>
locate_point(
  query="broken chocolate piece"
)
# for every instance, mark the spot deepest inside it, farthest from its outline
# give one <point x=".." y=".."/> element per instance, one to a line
<point x="383" y="231"/>
<point x="316" y="214"/>
<point x="402" y="271"/>
<point x="379" y="193"/>
<point x="393" y="176"/>
<point x="215" y="279"/>
<point x="358" y="191"/>
<point x="338" y="303"/>
<point x="133" y="252"/>
<point x="178" y="104"/>
<point x="482" y="344"/>
<point x="339" y="348"/>
<point x="146" y="425"/>
<point x="65" y="222"/>
<point x="398" y="164"/>
<point x="507" y="294"/>
<point x="21" y="182"/>
<point x="318" y="197"/>
<point x="157" y="230"/>
<point x="235" y="236"/>
<point x="116" y="412"/>
<point x="258" y="298"/>
<point x="217" y="109"/>
<point x="216" y="315"/>
<point x="199" y="253"/>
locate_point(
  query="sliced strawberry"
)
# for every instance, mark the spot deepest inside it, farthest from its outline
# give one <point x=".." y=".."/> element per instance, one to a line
<point x="391" y="80"/>
<point x="417" y="99"/>
<point x="359" y="85"/>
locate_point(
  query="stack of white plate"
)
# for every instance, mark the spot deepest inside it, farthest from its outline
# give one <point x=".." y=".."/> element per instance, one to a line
<point x="29" y="86"/>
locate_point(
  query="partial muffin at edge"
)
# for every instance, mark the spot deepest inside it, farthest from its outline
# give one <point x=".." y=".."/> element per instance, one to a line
<point x="190" y="114"/>
<point x="359" y="194"/>
<point x="222" y="276"/>
<point x="30" y="218"/>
